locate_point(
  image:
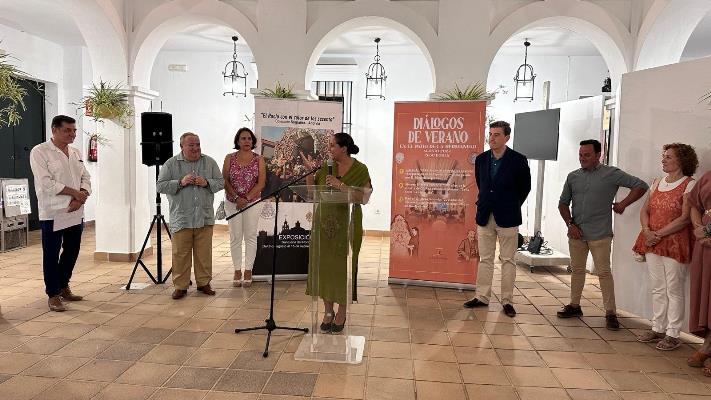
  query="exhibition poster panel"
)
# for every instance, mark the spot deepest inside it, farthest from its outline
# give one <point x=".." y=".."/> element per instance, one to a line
<point x="433" y="228"/>
<point x="289" y="131"/>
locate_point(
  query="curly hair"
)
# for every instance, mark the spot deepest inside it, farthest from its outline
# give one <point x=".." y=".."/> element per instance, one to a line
<point x="686" y="155"/>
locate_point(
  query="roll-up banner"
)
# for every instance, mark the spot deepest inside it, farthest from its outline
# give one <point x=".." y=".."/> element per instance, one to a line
<point x="433" y="238"/>
<point x="288" y="131"/>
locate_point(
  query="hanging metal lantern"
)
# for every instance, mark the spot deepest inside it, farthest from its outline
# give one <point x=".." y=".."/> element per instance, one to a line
<point x="235" y="75"/>
<point x="607" y="85"/>
<point x="375" y="77"/>
<point x="525" y="78"/>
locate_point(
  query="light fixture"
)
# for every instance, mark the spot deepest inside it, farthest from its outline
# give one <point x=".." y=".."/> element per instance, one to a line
<point x="607" y="85"/>
<point x="235" y="75"/>
<point x="524" y="78"/>
<point x="375" y="77"/>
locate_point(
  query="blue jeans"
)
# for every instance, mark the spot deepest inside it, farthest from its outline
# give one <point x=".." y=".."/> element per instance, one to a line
<point x="58" y="267"/>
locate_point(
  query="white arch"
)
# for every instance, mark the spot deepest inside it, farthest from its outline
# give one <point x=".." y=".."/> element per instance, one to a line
<point x="105" y="38"/>
<point x="170" y="18"/>
<point x="666" y="30"/>
<point x="606" y="33"/>
<point x="387" y="14"/>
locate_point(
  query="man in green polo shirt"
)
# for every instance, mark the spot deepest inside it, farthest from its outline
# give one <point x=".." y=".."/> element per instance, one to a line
<point x="592" y="190"/>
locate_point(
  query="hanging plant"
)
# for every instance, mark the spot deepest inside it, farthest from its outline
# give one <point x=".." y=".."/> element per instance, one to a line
<point x="11" y="93"/>
<point x="476" y="91"/>
<point x="279" y="91"/>
<point x="107" y="101"/>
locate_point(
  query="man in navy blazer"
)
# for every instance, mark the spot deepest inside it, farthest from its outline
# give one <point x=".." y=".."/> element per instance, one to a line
<point x="504" y="181"/>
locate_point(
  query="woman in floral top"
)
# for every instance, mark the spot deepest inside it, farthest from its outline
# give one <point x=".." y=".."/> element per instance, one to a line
<point x="245" y="175"/>
<point x="666" y="242"/>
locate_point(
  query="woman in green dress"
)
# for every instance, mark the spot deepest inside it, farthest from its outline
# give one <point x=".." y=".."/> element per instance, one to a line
<point x="330" y="231"/>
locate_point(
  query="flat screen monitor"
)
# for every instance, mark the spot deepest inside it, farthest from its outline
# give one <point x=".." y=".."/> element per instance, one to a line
<point x="536" y="134"/>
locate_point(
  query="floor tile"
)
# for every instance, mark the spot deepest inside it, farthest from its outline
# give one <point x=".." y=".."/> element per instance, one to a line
<point x="101" y="370"/>
<point x="242" y="381"/>
<point x="292" y="384"/>
<point x="439" y="390"/>
<point x="24" y="387"/>
<point x="390" y="368"/>
<point x="489" y="392"/>
<point x="388" y="388"/>
<point x="484" y="374"/>
<point x="74" y="390"/>
<point x="116" y="391"/>
<point x="629" y="381"/>
<point x="195" y="378"/>
<point x="437" y="371"/>
<point x="531" y="376"/>
<point x="146" y="374"/>
<point x="55" y="367"/>
<point x="580" y="379"/>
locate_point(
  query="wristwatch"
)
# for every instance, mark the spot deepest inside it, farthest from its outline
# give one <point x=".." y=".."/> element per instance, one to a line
<point x="707" y="230"/>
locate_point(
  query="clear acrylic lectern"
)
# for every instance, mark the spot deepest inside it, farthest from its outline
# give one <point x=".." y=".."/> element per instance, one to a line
<point x="330" y="270"/>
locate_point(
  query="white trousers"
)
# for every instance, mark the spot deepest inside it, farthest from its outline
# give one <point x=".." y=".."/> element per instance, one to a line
<point x="668" y="278"/>
<point x="243" y="227"/>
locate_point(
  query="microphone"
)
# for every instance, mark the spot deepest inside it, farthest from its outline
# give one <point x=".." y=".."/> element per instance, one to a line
<point x="329" y="164"/>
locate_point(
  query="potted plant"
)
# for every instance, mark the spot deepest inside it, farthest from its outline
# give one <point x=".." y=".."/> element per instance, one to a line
<point x="107" y="101"/>
<point x="476" y="91"/>
<point x="279" y="91"/>
<point x="11" y="93"/>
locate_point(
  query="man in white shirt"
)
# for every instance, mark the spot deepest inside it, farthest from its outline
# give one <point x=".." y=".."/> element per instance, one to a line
<point x="63" y="185"/>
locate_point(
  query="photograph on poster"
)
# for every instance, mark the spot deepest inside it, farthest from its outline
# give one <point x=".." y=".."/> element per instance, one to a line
<point x="284" y="150"/>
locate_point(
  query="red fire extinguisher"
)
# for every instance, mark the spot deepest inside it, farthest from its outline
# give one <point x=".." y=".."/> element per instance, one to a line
<point x="93" y="148"/>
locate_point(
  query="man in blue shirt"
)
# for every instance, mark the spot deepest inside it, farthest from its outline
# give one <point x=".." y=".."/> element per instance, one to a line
<point x="504" y="181"/>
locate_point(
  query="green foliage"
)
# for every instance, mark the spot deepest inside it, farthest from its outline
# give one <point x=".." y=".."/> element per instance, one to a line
<point x="101" y="140"/>
<point x="279" y="91"/>
<point x="108" y="101"/>
<point x="476" y="91"/>
<point x="11" y="93"/>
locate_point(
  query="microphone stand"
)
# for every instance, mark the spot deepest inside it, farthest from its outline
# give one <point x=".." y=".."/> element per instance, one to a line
<point x="270" y="324"/>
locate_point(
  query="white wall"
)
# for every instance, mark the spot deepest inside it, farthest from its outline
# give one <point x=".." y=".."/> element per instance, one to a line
<point x="656" y="106"/>
<point x="570" y="77"/>
<point x="195" y="100"/>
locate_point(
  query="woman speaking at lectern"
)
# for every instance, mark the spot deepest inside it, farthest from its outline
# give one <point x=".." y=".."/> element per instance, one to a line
<point x="329" y="258"/>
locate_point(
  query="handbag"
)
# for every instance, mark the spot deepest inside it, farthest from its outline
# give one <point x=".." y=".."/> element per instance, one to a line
<point x="220" y="213"/>
<point x="535" y="244"/>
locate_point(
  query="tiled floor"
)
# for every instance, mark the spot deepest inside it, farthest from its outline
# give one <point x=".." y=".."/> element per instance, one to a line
<point x="421" y="342"/>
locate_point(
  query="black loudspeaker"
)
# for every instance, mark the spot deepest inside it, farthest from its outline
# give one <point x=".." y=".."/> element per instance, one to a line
<point x="156" y="137"/>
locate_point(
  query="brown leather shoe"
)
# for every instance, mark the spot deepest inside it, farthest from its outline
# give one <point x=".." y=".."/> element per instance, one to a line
<point x="55" y="304"/>
<point x="179" y="294"/>
<point x="67" y="295"/>
<point x="206" y="289"/>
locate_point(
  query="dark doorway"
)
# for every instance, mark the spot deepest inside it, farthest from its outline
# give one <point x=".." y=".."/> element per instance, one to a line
<point x="17" y="141"/>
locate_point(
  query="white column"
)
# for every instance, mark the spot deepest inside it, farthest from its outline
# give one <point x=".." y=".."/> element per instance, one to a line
<point x="124" y="188"/>
<point x="460" y="56"/>
<point x="282" y="30"/>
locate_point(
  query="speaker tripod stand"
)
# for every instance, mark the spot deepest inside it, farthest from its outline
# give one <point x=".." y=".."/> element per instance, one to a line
<point x="157" y="222"/>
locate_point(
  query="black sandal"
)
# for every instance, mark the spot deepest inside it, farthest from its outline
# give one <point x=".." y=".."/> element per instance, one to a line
<point x="327" y="326"/>
<point x="335" y="328"/>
